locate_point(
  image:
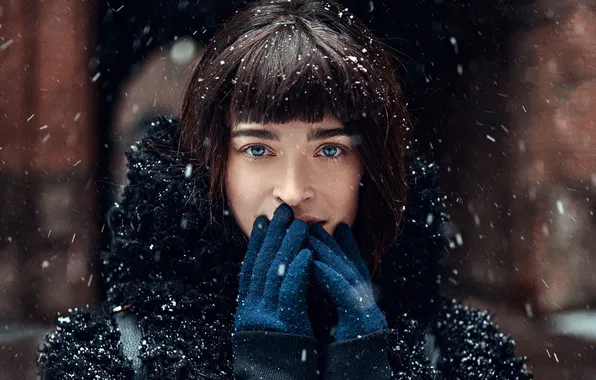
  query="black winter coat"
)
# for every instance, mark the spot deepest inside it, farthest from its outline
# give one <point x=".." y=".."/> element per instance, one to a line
<point x="177" y="273"/>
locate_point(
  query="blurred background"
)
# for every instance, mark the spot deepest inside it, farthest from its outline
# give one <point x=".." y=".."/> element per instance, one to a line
<point x="503" y="93"/>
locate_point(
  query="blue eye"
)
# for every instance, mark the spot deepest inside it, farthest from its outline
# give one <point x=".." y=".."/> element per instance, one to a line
<point x="256" y="150"/>
<point x="331" y="151"/>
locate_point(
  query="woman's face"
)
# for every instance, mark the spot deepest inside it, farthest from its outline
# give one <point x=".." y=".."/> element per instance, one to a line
<point x="314" y="168"/>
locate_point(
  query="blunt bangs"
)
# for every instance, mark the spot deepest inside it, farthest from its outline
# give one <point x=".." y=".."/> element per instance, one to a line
<point x="291" y="71"/>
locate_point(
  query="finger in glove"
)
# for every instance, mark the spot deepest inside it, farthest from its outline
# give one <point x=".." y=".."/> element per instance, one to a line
<point x="293" y="241"/>
<point x="336" y="260"/>
<point x="345" y="238"/>
<point x="342" y="293"/>
<point x="282" y="217"/>
<point x="292" y="295"/>
<point x="257" y="236"/>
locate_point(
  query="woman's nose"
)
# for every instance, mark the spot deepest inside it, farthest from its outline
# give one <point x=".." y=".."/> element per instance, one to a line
<point x="294" y="186"/>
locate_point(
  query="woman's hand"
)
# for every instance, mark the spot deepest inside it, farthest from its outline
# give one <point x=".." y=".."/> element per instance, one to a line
<point x="274" y="277"/>
<point x="341" y="272"/>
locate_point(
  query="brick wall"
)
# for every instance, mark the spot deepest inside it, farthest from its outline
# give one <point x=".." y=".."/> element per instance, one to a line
<point x="48" y="225"/>
<point x="555" y="175"/>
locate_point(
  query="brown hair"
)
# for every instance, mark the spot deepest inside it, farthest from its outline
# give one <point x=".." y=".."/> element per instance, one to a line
<point x="279" y="61"/>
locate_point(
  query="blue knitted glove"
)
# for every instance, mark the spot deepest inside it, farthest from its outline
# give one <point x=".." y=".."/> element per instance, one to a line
<point x="342" y="272"/>
<point x="274" y="277"/>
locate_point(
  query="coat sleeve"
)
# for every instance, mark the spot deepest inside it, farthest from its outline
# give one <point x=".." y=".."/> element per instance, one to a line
<point x="359" y="358"/>
<point x="85" y="346"/>
<point x="274" y="356"/>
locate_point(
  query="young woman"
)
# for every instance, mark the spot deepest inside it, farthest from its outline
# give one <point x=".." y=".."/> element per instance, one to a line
<point x="280" y="229"/>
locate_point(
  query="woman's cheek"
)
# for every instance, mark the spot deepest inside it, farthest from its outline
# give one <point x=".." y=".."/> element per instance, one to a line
<point x="350" y="196"/>
<point x="234" y="184"/>
<point x="244" y="192"/>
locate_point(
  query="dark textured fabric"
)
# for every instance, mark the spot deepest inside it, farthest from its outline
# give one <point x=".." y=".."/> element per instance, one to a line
<point x="274" y="356"/>
<point x="359" y="358"/>
<point x="178" y="272"/>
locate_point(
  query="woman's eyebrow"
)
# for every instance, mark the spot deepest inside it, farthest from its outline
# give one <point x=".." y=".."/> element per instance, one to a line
<point x="321" y="134"/>
<point x="257" y="133"/>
